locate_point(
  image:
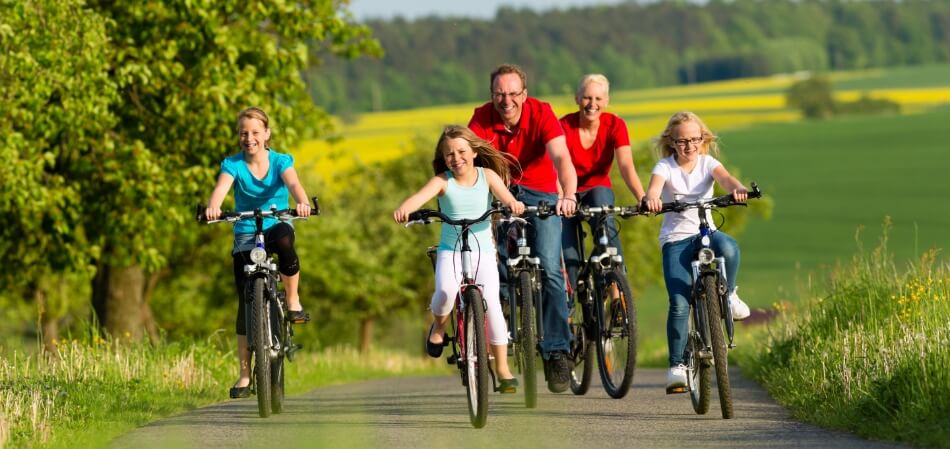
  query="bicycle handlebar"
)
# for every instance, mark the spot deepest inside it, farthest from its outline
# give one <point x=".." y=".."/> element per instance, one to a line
<point x="234" y="216"/>
<point x="621" y="211"/>
<point x="710" y="203"/>
<point x="423" y="216"/>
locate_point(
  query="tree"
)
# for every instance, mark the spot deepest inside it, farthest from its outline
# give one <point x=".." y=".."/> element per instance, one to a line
<point x="56" y="96"/>
<point x="812" y="96"/>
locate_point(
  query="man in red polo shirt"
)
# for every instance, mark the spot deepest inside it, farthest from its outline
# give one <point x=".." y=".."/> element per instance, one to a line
<point x="528" y="130"/>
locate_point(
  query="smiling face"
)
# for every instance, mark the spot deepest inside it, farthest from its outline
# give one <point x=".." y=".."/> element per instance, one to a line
<point x="592" y="100"/>
<point x="507" y="95"/>
<point x="459" y="156"/>
<point x="253" y="136"/>
<point x="688" y="142"/>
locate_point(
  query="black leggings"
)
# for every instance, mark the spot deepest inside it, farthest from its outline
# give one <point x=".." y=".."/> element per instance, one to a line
<point x="278" y="239"/>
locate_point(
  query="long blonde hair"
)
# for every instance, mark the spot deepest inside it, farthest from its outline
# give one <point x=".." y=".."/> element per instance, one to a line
<point x="664" y="144"/>
<point x="488" y="156"/>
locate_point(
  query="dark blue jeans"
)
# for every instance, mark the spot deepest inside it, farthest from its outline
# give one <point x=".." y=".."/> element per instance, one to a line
<point x="573" y="259"/>
<point x="678" y="273"/>
<point x="544" y="238"/>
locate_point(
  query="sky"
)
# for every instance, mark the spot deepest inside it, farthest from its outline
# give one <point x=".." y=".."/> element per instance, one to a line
<point x="479" y="9"/>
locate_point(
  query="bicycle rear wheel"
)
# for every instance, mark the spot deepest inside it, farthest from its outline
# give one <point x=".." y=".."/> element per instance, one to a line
<point x="582" y="346"/>
<point x="698" y="372"/>
<point x="261" y="342"/>
<point x="475" y="356"/>
<point x="527" y="339"/>
<point x="617" y="339"/>
<point x="718" y="341"/>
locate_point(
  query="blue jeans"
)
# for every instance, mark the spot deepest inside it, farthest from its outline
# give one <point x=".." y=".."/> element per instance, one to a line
<point x="544" y="238"/>
<point x="573" y="259"/>
<point x="677" y="271"/>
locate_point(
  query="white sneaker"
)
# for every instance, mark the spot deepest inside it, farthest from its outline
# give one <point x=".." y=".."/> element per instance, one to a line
<point x="676" y="379"/>
<point x="740" y="310"/>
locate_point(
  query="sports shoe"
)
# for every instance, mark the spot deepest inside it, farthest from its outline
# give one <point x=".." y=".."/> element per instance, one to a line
<point x="740" y="310"/>
<point x="676" y="379"/>
<point x="557" y="370"/>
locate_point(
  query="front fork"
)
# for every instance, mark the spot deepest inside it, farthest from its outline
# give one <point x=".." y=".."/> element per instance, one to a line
<point x="718" y="267"/>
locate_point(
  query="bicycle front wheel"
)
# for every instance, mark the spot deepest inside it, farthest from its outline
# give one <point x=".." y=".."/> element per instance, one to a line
<point x="476" y="357"/>
<point x="617" y="342"/>
<point x="720" y="355"/>
<point x="527" y="337"/>
<point x="582" y="346"/>
<point x="698" y="369"/>
<point x="261" y="342"/>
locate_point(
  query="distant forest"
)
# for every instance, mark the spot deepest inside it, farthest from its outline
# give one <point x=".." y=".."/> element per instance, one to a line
<point x="437" y="60"/>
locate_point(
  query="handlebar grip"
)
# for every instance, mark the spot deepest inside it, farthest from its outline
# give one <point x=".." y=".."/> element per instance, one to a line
<point x="199" y="213"/>
<point x="315" y="210"/>
<point x="420" y="214"/>
<point x="755" y="193"/>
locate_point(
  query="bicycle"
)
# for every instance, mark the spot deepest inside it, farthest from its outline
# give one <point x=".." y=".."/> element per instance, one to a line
<point x="270" y="335"/>
<point x="605" y="315"/>
<point x="469" y="343"/>
<point x="524" y="310"/>
<point x="709" y="312"/>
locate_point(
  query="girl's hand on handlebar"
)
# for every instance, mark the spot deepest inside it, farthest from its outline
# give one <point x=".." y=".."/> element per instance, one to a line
<point x="652" y="204"/>
<point x="517" y="207"/>
<point x="740" y="194"/>
<point x="401" y="215"/>
<point x="212" y="213"/>
<point x="303" y="210"/>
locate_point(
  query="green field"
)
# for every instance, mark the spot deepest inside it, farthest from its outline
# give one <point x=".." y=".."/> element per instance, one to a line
<point x="828" y="179"/>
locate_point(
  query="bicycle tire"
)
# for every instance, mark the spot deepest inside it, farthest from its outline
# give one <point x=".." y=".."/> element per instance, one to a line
<point x="277" y="365"/>
<point x="617" y="339"/>
<point x="476" y="357"/>
<point x="582" y="346"/>
<point x="718" y="342"/>
<point x="262" y="370"/>
<point x="698" y="374"/>
<point x="528" y="339"/>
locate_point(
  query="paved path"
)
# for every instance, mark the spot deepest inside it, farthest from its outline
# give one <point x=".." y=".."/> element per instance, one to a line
<point x="416" y="413"/>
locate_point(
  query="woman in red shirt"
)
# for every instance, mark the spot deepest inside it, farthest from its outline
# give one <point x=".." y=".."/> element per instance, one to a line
<point x="595" y="139"/>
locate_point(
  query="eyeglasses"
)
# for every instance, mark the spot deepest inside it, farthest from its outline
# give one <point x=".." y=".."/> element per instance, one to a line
<point x="502" y="95"/>
<point x="681" y="143"/>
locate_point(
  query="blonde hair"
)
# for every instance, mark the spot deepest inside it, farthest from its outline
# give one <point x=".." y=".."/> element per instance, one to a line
<point x="592" y="78"/>
<point x="664" y="144"/>
<point x="254" y="112"/>
<point x="488" y="156"/>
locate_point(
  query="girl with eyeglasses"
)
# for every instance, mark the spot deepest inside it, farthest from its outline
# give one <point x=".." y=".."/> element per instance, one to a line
<point x="687" y="173"/>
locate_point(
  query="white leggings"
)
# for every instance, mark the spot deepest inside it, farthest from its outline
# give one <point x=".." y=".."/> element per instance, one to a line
<point x="448" y="277"/>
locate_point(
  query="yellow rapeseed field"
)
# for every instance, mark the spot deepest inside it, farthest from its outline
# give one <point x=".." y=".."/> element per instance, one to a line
<point x="380" y="136"/>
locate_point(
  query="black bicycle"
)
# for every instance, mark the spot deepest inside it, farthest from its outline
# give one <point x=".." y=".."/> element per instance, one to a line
<point x="706" y="345"/>
<point x="469" y="342"/>
<point x="603" y="313"/>
<point x="270" y="335"/>
<point x="524" y="311"/>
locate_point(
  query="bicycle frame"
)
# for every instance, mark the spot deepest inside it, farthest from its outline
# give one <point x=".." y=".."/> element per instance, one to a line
<point x="523" y="262"/>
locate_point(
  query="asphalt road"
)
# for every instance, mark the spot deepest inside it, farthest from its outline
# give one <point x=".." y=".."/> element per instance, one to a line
<point x="431" y="413"/>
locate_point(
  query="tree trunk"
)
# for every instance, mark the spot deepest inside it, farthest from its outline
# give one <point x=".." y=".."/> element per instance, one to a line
<point x="148" y="319"/>
<point x="366" y="334"/>
<point x="48" y="324"/>
<point x="117" y="299"/>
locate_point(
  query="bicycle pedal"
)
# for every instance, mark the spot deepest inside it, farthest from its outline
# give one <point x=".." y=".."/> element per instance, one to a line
<point x="452" y="359"/>
<point x="676" y="390"/>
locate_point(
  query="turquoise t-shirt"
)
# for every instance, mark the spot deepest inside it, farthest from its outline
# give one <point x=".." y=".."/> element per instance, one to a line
<point x="251" y="193"/>
<point x="466" y="202"/>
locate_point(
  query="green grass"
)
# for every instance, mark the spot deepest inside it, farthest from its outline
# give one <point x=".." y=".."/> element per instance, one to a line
<point x="869" y="356"/>
<point x="910" y="76"/>
<point x="830" y="178"/>
<point x="94" y="390"/>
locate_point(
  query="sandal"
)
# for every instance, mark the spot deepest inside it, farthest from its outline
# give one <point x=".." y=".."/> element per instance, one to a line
<point x="434" y="349"/>
<point x="507" y="386"/>
<point x="240" y="392"/>
<point x="298" y="316"/>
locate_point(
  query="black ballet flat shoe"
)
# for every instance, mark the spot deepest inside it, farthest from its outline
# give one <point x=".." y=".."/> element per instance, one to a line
<point x="240" y="392"/>
<point x="298" y="316"/>
<point x="434" y="349"/>
<point x="507" y="386"/>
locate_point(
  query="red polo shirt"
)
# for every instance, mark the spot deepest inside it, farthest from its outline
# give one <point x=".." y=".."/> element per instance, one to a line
<point x="593" y="164"/>
<point x="538" y="125"/>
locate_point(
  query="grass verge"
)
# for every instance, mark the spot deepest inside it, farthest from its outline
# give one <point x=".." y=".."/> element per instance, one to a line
<point x="870" y="356"/>
<point x="93" y="390"/>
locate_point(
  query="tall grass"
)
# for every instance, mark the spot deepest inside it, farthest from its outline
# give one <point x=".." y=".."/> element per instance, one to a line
<point x="871" y="355"/>
<point x="92" y="390"/>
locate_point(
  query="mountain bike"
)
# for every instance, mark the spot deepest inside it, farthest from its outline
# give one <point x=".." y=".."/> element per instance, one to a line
<point x="469" y="342"/>
<point x="706" y="346"/>
<point x="604" y="314"/>
<point x="524" y="310"/>
<point x="270" y="335"/>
